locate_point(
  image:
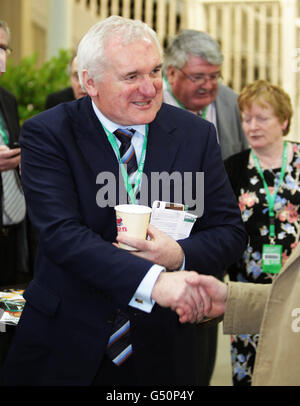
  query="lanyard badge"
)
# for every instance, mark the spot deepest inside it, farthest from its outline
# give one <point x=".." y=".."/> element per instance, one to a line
<point x="271" y="258"/>
<point x="272" y="253"/>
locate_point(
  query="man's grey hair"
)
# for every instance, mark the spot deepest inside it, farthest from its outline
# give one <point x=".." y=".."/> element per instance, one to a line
<point x="91" y="53"/>
<point x="5" y="27"/>
<point x="191" y="42"/>
<point x="69" y="67"/>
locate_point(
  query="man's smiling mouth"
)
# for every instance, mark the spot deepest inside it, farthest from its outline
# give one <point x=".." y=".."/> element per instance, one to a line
<point x="145" y="103"/>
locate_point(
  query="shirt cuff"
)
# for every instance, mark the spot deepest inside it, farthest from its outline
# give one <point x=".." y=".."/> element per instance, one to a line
<point x="182" y="268"/>
<point x="142" y="297"/>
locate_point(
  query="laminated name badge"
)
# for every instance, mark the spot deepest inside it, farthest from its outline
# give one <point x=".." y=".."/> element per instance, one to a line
<point x="272" y="254"/>
<point x="172" y="219"/>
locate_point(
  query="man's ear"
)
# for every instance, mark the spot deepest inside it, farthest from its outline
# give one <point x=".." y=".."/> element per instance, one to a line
<point x="89" y="84"/>
<point x="170" y="74"/>
<point x="284" y="125"/>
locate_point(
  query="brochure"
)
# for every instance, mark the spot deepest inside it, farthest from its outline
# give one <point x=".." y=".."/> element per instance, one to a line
<point x="11" y="305"/>
<point x="173" y="219"/>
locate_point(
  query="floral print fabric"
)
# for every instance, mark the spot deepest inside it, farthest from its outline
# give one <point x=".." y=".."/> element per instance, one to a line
<point x="254" y="210"/>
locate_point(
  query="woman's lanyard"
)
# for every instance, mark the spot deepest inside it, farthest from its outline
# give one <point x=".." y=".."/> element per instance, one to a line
<point x="204" y="112"/>
<point x="138" y="177"/>
<point x="272" y="197"/>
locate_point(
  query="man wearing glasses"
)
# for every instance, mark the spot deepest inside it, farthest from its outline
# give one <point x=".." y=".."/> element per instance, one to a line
<point x="192" y="73"/>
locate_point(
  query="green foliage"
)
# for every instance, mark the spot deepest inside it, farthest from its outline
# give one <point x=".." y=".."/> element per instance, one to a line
<point x="31" y="84"/>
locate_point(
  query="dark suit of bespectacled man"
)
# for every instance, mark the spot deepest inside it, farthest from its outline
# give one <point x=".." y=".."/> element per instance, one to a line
<point x="82" y="279"/>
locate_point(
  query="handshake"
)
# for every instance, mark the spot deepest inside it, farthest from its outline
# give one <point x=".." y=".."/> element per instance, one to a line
<point x="190" y="295"/>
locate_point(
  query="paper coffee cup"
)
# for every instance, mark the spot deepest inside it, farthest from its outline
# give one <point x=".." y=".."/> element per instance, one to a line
<point x="132" y="220"/>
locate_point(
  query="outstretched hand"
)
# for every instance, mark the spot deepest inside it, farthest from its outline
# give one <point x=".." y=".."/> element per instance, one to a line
<point x="190" y="295"/>
<point x="172" y="290"/>
<point x="212" y="292"/>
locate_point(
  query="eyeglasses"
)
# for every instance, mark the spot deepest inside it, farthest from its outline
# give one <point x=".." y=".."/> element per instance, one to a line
<point x="201" y="78"/>
<point x="6" y="49"/>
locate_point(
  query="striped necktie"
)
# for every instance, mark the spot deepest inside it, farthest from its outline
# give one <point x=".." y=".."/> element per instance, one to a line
<point x="119" y="347"/>
<point x="127" y="151"/>
<point x="13" y="202"/>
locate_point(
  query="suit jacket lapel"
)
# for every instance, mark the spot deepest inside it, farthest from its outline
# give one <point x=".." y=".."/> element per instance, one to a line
<point x="93" y="142"/>
<point x="91" y="138"/>
<point x="162" y="146"/>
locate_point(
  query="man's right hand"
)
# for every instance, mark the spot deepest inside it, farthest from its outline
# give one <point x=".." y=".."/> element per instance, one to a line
<point x="172" y="290"/>
<point x="213" y="293"/>
<point x="191" y="295"/>
<point x="9" y="158"/>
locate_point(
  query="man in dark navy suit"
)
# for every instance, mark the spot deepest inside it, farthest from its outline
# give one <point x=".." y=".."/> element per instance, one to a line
<point x="83" y="282"/>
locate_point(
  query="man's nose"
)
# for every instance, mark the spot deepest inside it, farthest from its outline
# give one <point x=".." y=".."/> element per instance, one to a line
<point x="207" y="85"/>
<point x="147" y="86"/>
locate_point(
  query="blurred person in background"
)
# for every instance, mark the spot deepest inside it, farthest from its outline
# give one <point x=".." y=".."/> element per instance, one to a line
<point x="192" y="72"/>
<point x="73" y="92"/>
<point x="265" y="180"/>
<point x="15" y="266"/>
<point x="14" y="255"/>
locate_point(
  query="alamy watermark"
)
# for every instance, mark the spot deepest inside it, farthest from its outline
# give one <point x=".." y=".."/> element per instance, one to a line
<point x="187" y="188"/>
<point x="296" y="322"/>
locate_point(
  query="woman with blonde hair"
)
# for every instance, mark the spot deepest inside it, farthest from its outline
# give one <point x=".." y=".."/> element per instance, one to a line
<point x="265" y="180"/>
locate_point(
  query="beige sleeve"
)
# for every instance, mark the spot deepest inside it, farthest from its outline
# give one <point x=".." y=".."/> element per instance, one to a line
<point x="245" y="307"/>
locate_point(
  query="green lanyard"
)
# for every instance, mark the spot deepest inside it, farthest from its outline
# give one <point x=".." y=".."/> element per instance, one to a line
<point x="3" y="132"/>
<point x="204" y="112"/>
<point x="271" y="198"/>
<point x="130" y="191"/>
